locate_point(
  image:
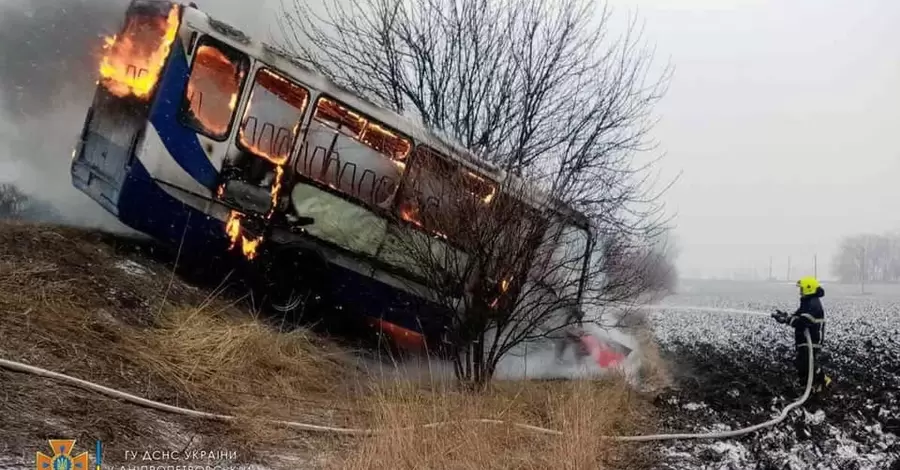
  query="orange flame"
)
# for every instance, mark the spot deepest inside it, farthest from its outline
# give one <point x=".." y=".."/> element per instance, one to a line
<point x="233" y="223"/>
<point x="410" y="213"/>
<point x="490" y="196"/>
<point x="276" y="188"/>
<point x="233" y="228"/>
<point x="134" y="61"/>
<point x="235" y="234"/>
<point x="278" y="154"/>
<point x="504" y="288"/>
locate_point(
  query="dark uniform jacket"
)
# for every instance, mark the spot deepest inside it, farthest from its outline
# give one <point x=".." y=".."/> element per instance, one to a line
<point x="810" y="316"/>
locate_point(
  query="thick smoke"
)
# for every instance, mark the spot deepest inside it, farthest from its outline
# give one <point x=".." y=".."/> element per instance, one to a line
<point x="49" y="52"/>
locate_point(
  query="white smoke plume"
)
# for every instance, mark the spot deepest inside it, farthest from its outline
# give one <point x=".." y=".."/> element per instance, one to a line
<point x="49" y="50"/>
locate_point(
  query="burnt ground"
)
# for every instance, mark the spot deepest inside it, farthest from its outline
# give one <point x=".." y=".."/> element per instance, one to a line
<point x="732" y="370"/>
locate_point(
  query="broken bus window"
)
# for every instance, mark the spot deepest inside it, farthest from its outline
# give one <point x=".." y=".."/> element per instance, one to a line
<point x="213" y="88"/>
<point x="272" y="118"/>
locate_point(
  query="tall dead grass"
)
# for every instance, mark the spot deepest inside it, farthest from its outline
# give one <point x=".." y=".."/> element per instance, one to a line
<point x="582" y="410"/>
<point x="249" y="368"/>
<point x="260" y="373"/>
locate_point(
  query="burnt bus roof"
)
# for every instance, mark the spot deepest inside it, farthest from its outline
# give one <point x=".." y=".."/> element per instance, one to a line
<point x="292" y="66"/>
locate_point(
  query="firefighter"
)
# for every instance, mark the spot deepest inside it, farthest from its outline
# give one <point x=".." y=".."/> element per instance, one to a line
<point x="809" y="316"/>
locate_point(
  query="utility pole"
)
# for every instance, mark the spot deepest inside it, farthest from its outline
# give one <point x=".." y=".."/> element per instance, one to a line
<point x="789" y="270"/>
<point x="816" y="266"/>
<point x="862" y="273"/>
<point x="770" y="270"/>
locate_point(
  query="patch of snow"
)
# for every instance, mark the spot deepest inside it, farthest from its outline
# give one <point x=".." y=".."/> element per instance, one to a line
<point x="816" y="418"/>
<point x="133" y="269"/>
<point x="730" y="451"/>
<point x="693" y="406"/>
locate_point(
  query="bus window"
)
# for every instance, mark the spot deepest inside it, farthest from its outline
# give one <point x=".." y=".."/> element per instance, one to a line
<point x="439" y="194"/>
<point x="381" y="139"/>
<point x="561" y="259"/>
<point x="334" y="115"/>
<point x="385" y="141"/>
<point x="272" y="117"/>
<point x="429" y="258"/>
<point x="352" y="154"/>
<point x="213" y="88"/>
<point x="569" y="255"/>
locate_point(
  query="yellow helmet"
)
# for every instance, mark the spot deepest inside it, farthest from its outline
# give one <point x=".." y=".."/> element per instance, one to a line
<point x="808" y="285"/>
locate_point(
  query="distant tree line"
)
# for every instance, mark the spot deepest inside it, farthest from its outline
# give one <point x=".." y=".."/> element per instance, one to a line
<point x="868" y="258"/>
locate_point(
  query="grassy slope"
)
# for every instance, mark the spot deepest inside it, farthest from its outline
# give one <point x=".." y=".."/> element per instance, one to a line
<point x="100" y="309"/>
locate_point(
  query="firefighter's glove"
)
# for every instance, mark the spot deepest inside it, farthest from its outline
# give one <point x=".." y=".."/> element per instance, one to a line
<point x="780" y="317"/>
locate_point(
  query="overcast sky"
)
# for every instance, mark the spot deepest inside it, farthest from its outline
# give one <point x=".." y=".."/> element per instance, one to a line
<point x="783" y="117"/>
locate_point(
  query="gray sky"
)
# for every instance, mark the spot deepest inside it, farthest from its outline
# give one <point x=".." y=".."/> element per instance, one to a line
<point x="783" y="117"/>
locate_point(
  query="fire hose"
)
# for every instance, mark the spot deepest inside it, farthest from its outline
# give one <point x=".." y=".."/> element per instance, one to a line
<point x="137" y="400"/>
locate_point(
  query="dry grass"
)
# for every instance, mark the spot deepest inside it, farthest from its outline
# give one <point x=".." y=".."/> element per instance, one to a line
<point x="249" y="369"/>
<point x="582" y="410"/>
<point x="654" y="372"/>
<point x="67" y="307"/>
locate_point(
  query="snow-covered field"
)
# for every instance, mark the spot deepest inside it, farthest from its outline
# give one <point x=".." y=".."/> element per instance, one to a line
<point x="732" y="370"/>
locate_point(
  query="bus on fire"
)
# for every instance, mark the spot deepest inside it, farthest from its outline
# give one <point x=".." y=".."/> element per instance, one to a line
<point x="201" y="137"/>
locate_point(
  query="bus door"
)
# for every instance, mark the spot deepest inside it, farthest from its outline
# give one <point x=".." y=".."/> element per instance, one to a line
<point x="556" y="278"/>
<point x="202" y="134"/>
<point x="256" y="173"/>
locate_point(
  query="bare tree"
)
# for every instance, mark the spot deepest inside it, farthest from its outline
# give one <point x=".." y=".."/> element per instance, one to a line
<point x="542" y="90"/>
<point x="17" y="205"/>
<point x="633" y="269"/>
<point x="12" y="202"/>
<point x="507" y="264"/>
<point x="868" y="257"/>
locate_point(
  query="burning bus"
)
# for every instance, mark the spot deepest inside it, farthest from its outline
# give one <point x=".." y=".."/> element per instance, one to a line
<point x="206" y="139"/>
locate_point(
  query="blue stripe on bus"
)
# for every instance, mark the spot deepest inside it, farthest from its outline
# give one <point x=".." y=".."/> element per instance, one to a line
<point x="148" y="208"/>
<point x="181" y="142"/>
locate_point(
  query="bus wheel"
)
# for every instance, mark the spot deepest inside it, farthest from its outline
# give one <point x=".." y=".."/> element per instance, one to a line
<point x="293" y="281"/>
